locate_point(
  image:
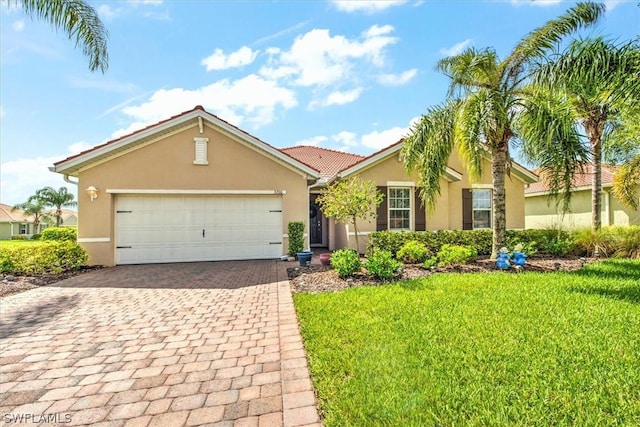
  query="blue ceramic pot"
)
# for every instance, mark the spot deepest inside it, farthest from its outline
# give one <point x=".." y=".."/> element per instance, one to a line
<point x="304" y="258"/>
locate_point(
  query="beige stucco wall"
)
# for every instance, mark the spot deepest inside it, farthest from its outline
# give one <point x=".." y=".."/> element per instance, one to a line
<point x="541" y="212"/>
<point x="167" y="164"/>
<point x="448" y="211"/>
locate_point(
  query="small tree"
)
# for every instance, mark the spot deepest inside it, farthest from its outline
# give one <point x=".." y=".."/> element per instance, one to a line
<point x="351" y="200"/>
<point x="35" y="209"/>
<point x="57" y="199"/>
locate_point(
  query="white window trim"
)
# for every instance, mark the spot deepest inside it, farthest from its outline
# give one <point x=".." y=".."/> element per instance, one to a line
<point x="411" y="207"/>
<point x="201" y="146"/>
<point x="488" y="187"/>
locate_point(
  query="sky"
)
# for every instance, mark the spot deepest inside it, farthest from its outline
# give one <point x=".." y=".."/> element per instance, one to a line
<point x="344" y="75"/>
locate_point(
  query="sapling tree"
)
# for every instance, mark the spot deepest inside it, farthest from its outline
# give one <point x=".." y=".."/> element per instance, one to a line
<point x="350" y="201"/>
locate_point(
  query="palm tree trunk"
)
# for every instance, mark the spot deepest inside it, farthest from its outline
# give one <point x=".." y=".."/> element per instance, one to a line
<point x="498" y="165"/>
<point x="355" y="230"/>
<point x="594" y="128"/>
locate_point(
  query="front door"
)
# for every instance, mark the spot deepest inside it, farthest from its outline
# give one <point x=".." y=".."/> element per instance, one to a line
<point x="315" y="223"/>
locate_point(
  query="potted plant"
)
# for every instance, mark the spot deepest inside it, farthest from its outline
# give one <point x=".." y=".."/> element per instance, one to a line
<point x="304" y="257"/>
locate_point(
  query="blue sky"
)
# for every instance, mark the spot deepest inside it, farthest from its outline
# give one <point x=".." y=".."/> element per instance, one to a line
<point x="346" y="75"/>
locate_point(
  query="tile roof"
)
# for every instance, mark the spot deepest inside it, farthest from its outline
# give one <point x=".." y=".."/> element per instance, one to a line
<point x="7" y="215"/>
<point x="327" y="162"/>
<point x="581" y="179"/>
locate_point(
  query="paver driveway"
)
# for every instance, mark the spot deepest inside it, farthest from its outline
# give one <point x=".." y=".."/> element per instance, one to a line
<point x="173" y="344"/>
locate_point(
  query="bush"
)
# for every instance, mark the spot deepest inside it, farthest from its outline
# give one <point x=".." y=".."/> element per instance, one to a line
<point x="382" y="265"/>
<point x="628" y="241"/>
<point x="60" y="234"/>
<point x="36" y="236"/>
<point x="430" y="262"/>
<point x="346" y="262"/>
<point x="19" y="237"/>
<point x="50" y="257"/>
<point x="413" y="252"/>
<point x="296" y="237"/>
<point x="615" y="241"/>
<point x="456" y="254"/>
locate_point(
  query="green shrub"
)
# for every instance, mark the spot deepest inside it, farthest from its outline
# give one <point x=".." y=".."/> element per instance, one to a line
<point x="382" y="265"/>
<point x="430" y="262"/>
<point x="60" y="234"/>
<point x="412" y="252"/>
<point x="628" y="241"/>
<point x="456" y="254"/>
<point x="36" y="236"/>
<point x="296" y="237"/>
<point x="19" y="237"/>
<point x="346" y="262"/>
<point x="50" y="257"/>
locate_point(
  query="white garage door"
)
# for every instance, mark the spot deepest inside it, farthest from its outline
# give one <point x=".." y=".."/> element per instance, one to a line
<point x="170" y="228"/>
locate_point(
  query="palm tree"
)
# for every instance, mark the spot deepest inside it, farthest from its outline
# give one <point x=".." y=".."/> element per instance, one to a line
<point x="57" y="199"/>
<point x="35" y="209"/>
<point x="626" y="181"/>
<point x="599" y="83"/>
<point x="480" y="118"/>
<point x="78" y="20"/>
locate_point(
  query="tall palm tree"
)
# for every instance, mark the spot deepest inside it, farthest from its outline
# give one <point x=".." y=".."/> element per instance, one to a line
<point x="78" y="20"/>
<point x="480" y="118"/>
<point x="57" y="199"/>
<point x="599" y="83"/>
<point x="35" y="209"/>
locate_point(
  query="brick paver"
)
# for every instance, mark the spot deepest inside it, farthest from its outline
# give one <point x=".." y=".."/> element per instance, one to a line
<point x="169" y="344"/>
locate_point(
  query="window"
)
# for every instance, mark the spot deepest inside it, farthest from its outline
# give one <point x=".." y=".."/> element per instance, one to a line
<point x="481" y="208"/>
<point x="24" y="229"/>
<point x="201" y="151"/>
<point x="399" y="208"/>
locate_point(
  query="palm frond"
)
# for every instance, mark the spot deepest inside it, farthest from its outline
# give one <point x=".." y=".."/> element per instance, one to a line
<point x="626" y="182"/>
<point x="427" y="148"/>
<point x="547" y="128"/>
<point x="79" y="21"/>
<point x="545" y="38"/>
<point x="470" y="70"/>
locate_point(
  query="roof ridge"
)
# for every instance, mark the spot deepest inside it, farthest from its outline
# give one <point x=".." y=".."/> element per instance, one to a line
<point x="321" y="148"/>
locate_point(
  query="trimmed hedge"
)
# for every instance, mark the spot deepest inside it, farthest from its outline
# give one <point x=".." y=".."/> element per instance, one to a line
<point x="556" y="242"/>
<point x="296" y="237"/>
<point x="48" y="257"/>
<point x="60" y="234"/>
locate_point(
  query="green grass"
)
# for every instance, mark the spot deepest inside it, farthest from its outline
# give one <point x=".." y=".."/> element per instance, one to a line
<point x="480" y="349"/>
<point x="9" y="243"/>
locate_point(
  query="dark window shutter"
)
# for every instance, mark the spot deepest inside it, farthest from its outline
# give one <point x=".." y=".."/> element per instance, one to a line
<point x="381" y="221"/>
<point x="467" y="209"/>
<point x="420" y="213"/>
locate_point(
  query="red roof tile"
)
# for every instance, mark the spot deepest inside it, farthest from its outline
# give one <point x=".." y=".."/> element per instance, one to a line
<point x="580" y="179"/>
<point x="327" y="162"/>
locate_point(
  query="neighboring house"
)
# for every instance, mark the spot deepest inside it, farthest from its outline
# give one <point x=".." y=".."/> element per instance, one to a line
<point x="69" y="218"/>
<point x="196" y="188"/>
<point x="14" y="223"/>
<point x="544" y="212"/>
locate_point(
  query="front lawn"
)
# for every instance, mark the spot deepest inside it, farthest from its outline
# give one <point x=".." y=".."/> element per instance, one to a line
<point x="480" y="349"/>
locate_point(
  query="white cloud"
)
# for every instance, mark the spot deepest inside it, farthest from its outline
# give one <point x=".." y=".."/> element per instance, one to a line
<point x="542" y="3"/>
<point x="319" y="59"/>
<point x="611" y="4"/>
<point x="397" y="79"/>
<point x="251" y="99"/>
<point x="456" y="48"/>
<point x="18" y="25"/>
<point x="337" y="98"/>
<point x="281" y="33"/>
<point x="20" y="178"/>
<point x="219" y="61"/>
<point x="366" y="6"/>
<point x="107" y="12"/>
<point x="347" y="140"/>
<point x="313" y="141"/>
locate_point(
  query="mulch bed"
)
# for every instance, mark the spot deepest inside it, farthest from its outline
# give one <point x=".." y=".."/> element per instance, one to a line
<point x="317" y="278"/>
<point x="10" y="284"/>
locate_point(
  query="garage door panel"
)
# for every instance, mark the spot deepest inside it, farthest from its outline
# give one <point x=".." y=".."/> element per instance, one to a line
<point x="163" y="228"/>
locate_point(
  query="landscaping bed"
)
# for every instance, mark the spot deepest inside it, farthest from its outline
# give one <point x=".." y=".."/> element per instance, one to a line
<point x="10" y="284"/>
<point x="317" y="278"/>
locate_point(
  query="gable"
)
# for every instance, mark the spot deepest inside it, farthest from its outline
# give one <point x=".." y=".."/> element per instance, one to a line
<point x="197" y="121"/>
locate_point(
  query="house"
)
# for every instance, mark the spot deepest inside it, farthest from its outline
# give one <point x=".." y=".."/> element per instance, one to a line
<point x="14" y="222"/>
<point x="543" y="212"/>
<point x="69" y="218"/>
<point x="196" y="188"/>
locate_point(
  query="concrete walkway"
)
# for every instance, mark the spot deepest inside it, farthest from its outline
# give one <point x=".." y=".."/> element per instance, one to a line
<point x="157" y="345"/>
